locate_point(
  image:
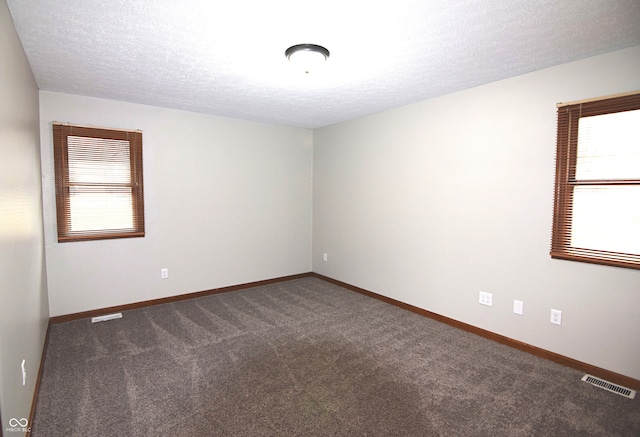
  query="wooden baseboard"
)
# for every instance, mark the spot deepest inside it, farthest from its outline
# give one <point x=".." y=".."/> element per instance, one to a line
<point x="534" y="350"/>
<point x="146" y="303"/>
<point x="36" y="388"/>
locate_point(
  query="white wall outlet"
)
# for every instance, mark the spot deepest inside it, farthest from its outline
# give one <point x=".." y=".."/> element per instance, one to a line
<point x="556" y="317"/>
<point x="325" y="257"/>
<point x="486" y="298"/>
<point x="24" y="372"/>
<point x="518" y="307"/>
<point x="164" y="273"/>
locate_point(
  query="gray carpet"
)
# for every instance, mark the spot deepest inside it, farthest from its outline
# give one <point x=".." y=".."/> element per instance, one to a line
<point x="306" y="358"/>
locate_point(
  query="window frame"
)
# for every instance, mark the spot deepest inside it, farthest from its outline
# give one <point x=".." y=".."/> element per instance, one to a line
<point x="61" y="132"/>
<point x="569" y="115"/>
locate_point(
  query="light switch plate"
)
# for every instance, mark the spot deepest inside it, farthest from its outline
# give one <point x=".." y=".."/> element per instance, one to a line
<point x="518" y="307"/>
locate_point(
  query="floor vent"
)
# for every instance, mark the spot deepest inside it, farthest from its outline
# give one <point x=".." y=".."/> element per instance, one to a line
<point x="614" y="388"/>
<point x="106" y="317"/>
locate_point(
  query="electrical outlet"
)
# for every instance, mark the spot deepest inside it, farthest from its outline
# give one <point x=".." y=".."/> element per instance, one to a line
<point x="486" y="298"/>
<point x="164" y="273"/>
<point x="325" y="257"/>
<point x="556" y="317"/>
<point x="518" y="307"/>
<point x="24" y="372"/>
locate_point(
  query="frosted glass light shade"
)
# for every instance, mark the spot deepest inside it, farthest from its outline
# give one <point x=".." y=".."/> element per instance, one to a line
<point x="307" y="56"/>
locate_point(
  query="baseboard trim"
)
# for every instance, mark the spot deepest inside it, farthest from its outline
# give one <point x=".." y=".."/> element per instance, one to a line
<point x="170" y="299"/>
<point x="36" y="388"/>
<point x="525" y="347"/>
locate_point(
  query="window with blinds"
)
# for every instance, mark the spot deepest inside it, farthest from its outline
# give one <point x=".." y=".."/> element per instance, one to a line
<point x="597" y="194"/>
<point x="99" y="189"/>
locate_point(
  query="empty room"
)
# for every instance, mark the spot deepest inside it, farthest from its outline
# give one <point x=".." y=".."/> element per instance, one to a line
<point x="409" y="218"/>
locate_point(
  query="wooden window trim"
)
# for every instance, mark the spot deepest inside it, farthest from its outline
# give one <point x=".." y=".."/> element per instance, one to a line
<point x="61" y="131"/>
<point x="566" y="155"/>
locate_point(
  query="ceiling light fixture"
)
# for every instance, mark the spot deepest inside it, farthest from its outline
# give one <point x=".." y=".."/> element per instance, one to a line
<point x="307" y="56"/>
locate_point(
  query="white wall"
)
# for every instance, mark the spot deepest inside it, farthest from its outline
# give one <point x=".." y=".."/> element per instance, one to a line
<point x="226" y="202"/>
<point x="23" y="292"/>
<point x="433" y="202"/>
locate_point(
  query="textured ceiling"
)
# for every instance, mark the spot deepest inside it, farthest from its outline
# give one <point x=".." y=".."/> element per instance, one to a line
<point x="227" y="57"/>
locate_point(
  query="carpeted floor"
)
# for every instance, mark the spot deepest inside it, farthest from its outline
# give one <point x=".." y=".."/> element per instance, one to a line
<point x="306" y="358"/>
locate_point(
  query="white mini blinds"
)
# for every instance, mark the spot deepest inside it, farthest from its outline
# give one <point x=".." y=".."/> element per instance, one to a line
<point x="99" y="184"/>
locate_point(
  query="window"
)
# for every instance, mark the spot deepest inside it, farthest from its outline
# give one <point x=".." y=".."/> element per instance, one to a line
<point x="99" y="191"/>
<point x="597" y="194"/>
